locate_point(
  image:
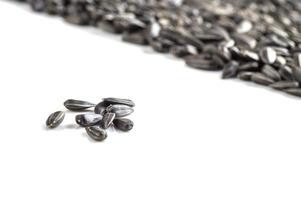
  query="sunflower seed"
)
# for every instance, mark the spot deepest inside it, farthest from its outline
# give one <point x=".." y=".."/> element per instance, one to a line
<point x="96" y="133"/>
<point x="120" y="110"/>
<point x="123" y="124"/>
<point x="268" y="55"/>
<point x="101" y="107"/>
<point x="297" y="74"/>
<point x="199" y="62"/>
<point x="298" y="59"/>
<point x="230" y="70"/>
<point x="55" y="119"/>
<point x="271" y="73"/>
<point x="250" y="66"/>
<point x="86" y="120"/>
<point x="294" y="91"/>
<point x="77" y="105"/>
<point x="261" y="79"/>
<point x="127" y="102"/>
<point x="281" y="85"/>
<point x="107" y="120"/>
<point x="286" y="73"/>
<point x="245" y="76"/>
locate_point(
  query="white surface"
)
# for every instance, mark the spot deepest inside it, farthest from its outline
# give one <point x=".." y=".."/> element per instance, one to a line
<point x="196" y="136"/>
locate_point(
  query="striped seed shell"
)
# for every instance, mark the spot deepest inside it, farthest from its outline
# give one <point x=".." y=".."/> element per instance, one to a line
<point x="107" y="120"/>
<point x="281" y="85"/>
<point x="101" y="107"/>
<point x="297" y="74"/>
<point x="123" y="124"/>
<point x="270" y="72"/>
<point x="120" y="110"/>
<point x="245" y="76"/>
<point x="55" y="119"/>
<point x="86" y="120"/>
<point x="77" y="105"/>
<point x="230" y="70"/>
<point x="268" y="55"/>
<point x="127" y="102"/>
<point x="294" y="91"/>
<point x="261" y="79"/>
<point x="96" y="133"/>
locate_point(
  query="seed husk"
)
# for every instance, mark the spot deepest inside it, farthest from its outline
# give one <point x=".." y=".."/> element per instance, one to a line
<point x="86" y="120"/>
<point x="249" y="66"/>
<point x="199" y="62"/>
<point x="281" y="85"/>
<point x="245" y="76"/>
<point x="55" y="119"/>
<point x="294" y="91"/>
<point x="107" y="120"/>
<point x="268" y="55"/>
<point x="112" y="100"/>
<point x="101" y="107"/>
<point x="120" y="110"/>
<point x="271" y="73"/>
<point x="230" y="70"/>
<point x="261" y="79"/>
<point x="123" y="124"/>
<point x="297" y="74"/>
<point x="96" y="133"/>
<point x="77" y="105"/>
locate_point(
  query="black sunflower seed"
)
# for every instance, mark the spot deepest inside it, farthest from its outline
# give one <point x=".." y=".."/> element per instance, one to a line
<point x="199" y="62"/>
<point x="107" y="120"/>
<point x="123" y="124"/>
<point x="261" y="79"/>
<point x="297" y="74"/>
<point x="281" y="85"/>
<point x="86" y="120"/>
<point x="120" y="110"/>
<point x="127" y="102"/>
<point x="271" y="73"/>
<point x="230" y="70"/>
<point x="245" y="76"/>
<point x="250" y="66"/>
<point x="96" y="133"/>
<point x="55" y="119"/>
<point x="294" y="91"/>
<point x="101" y="107"/>
<point x="268" y="55"/>
<point x="77" y="105"/>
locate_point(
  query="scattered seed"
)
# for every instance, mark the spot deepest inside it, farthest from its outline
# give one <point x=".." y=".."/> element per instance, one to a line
<point x="86" y="120"/>
<point x="77" y="105"/>
<point x="55" y="119"/>
<point x="120" y="110"/>
<point x="268" y="55"/>
<point x="96" y="133"/>
<point x="123" y="124"/>
<point x="107" y="120"/>
<point x="261" y="79"/>
<point x="281" y="85"/>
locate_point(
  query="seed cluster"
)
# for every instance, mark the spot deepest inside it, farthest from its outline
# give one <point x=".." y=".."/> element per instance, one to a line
<point x="109" y="112"/>
<point x="258" y="41"/>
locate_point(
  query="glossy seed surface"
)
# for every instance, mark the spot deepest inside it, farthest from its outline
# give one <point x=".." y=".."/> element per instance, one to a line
<point x="55" y="119"/>
<point x="127" y="102"/>
<point x="120" y="110"/>
<point x="107" y="120"/>
<point x="123" y="124"/>
<point x="86" y="120"/>
<point x="96" y="133"/>
<point x="77" y="105"/>
<point x="101" y="107"/>
<point x="268" y="55"/>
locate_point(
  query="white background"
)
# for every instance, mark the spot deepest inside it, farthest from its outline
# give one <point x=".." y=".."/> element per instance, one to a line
<point x="195" y="137"/>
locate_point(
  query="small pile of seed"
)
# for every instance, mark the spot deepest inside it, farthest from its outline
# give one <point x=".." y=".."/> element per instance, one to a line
<point x="107" y="113"/>
<point x="253" y="40"/>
